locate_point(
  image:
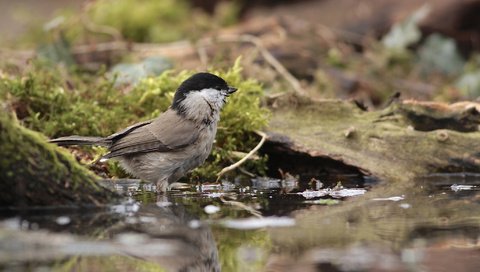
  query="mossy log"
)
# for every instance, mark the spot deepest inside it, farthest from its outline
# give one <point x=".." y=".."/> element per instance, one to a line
<point x="407" y="139"/>
<point x="36" y="173"/>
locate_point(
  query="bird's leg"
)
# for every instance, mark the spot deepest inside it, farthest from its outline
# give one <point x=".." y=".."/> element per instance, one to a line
<point x="162" y="185"/>
<point x="178" y="185"/>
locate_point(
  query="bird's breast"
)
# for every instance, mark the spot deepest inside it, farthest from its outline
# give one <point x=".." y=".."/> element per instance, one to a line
<point x="206" y="139"/>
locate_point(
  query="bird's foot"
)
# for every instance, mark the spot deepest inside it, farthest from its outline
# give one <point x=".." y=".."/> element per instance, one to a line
<point x="179" y="186"/>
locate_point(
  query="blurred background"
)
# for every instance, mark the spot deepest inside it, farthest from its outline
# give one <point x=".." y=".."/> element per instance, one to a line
<point x="366" y="49"/>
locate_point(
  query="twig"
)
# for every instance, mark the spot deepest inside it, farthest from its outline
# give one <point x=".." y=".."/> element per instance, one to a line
<point x="240" y="162"/>
<point x="265" y="54"/>
<point x="245" y="172"/>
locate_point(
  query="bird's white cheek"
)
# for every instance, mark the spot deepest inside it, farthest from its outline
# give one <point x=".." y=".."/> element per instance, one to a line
<point x="202" y="105"/>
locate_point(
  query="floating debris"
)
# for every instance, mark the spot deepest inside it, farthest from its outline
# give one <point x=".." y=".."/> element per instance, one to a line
<point x="215" y="194"/>
<point x="392" y="198"/>
<point x="333" y="193"/>
<point x="347" y="192"/>
<point x="459" y="187"/>
<point x="257" y="223"/>
<point x="228" y="186"/>
<point x="312" y="194"/>
<point x="264" y="183"/>
<point x="209" y="187"/>
<point x="326" y="202"/>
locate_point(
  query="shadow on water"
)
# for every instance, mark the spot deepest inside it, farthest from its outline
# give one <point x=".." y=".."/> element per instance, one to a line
<point x="266" y="225"/>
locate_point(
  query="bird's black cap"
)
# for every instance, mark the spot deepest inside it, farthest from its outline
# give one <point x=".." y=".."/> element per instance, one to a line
<point x="198" y="82"/>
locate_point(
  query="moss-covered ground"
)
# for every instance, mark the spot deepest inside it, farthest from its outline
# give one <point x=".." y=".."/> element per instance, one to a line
<point x="59" y="101"/>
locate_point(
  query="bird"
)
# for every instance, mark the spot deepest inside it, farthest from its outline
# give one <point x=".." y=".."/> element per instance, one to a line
<point x="164" y="149"/>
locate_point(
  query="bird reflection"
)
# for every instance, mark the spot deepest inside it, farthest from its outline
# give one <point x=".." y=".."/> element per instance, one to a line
<point x="162" y="235"/>
<point x="194" y="247"/>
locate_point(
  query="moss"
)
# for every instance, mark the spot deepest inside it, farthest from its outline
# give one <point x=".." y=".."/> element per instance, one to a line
<point x="36" y="173"/>
<point x="383" y="143"/>
<point x="45" y="101"/>
<point x="58" y="101"/>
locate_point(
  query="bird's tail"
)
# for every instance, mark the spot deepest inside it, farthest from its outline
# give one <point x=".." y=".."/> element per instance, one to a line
<point x="79" y="140"/>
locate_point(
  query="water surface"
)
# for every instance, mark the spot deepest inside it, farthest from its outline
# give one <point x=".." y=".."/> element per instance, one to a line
<point x="265" y="225"/>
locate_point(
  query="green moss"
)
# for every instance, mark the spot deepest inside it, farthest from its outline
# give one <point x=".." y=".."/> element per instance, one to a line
<point x="58" y="101"/>
<point x="36" y="173"/>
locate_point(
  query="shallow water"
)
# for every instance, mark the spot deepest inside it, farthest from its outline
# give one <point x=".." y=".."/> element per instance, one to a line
<point x="266" y="225"/>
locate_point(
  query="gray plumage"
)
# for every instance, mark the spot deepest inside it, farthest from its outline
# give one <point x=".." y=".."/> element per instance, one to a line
<point x="166" y="148"/>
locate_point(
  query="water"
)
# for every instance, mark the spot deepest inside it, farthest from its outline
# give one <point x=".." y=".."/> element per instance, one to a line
<point x="266" y="225"/>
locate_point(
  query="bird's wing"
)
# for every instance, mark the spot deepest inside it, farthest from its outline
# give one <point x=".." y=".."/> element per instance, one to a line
<point x="169" y="132"/>
<point x="127" y="130"/>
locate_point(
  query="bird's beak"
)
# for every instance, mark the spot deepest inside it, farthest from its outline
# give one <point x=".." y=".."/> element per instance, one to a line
<point x="231" y="90"/>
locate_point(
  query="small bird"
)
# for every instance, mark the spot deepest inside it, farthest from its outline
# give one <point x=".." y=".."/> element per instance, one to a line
<point x="164" y="149"/>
